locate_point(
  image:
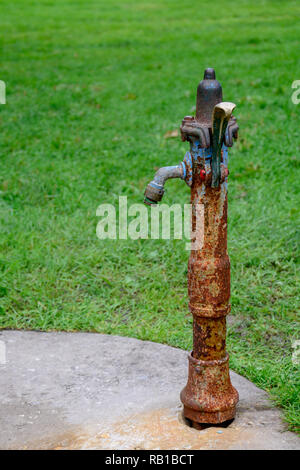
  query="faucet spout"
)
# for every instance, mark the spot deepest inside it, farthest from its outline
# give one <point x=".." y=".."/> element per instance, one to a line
<point x="155" y="189"/>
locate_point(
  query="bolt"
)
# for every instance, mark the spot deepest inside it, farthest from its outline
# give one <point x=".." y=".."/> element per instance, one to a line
<point x="202" y="175"/>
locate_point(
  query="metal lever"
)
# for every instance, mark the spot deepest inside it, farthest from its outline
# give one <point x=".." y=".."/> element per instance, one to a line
<point x="221" y="115"/>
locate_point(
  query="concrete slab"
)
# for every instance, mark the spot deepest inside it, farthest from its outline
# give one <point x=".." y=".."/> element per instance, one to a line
<point x="92" y="391"/>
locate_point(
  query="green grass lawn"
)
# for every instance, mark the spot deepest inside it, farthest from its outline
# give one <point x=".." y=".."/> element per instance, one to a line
<point x="92" y="88"/>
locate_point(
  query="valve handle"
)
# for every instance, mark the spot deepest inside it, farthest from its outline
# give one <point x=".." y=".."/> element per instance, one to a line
<point x="221" y="115"/>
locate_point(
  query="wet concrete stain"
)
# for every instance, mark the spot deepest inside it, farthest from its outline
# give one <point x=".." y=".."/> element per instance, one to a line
<point x="160" y="429"/>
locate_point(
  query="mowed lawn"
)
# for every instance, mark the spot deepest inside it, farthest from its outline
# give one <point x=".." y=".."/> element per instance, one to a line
<point x="92" y="89"/>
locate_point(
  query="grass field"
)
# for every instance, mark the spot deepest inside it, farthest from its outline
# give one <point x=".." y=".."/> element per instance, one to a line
<point x="92" y="89"/>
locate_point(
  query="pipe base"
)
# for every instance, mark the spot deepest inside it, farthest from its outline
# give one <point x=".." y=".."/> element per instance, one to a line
<point x="209" y="396"/>
<point x="215" y="417"/>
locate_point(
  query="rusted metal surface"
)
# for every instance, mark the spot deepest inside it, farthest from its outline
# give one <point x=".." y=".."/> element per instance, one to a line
<point x="209" y="93"/>
<point x="209" y="396"/>
<point x="190" y="128"/>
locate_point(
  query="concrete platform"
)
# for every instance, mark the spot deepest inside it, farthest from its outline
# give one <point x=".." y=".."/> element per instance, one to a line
<point x="92" y="391"/>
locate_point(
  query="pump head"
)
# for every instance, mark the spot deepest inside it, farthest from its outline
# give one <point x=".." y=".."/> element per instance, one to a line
<point x="209" y="93"/>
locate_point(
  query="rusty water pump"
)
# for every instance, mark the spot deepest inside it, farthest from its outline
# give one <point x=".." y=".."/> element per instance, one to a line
<point x="209" y="396"/>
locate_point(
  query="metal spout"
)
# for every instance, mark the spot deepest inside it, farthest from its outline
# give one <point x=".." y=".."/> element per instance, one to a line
<point x="155" y="189"/>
